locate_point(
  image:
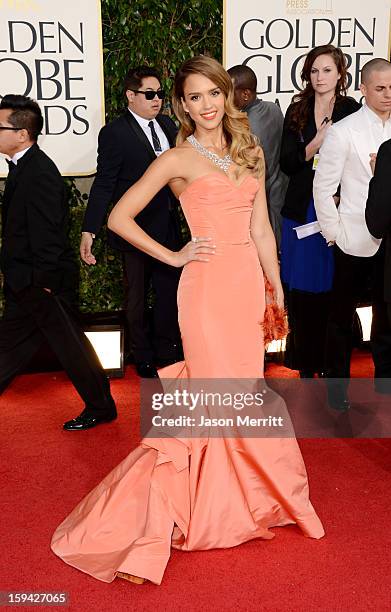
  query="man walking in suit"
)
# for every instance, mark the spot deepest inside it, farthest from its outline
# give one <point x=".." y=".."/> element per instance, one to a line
<point x="378" y="211"/>
<point x="345" y="162"/>
<point x="266" y="122"/>
<point x="127" y="146"/>
<point x="40" y="274"/>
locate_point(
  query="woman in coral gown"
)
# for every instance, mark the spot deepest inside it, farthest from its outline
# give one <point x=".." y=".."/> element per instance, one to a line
<point x="206" y="492"/>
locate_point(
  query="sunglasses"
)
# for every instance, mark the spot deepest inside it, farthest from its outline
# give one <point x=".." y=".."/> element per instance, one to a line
<point x="150" y="93"/>
<point x="14" y="129"/>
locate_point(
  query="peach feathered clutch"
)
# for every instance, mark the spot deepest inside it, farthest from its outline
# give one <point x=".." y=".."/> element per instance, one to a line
<point x="275" y="321"/>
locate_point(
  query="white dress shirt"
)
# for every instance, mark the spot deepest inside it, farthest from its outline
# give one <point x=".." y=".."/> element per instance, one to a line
<point x="344" y="160"/>
<point x="380" y="131"/>
<point x="18" y="155"/>
<point x="143" y="123"/>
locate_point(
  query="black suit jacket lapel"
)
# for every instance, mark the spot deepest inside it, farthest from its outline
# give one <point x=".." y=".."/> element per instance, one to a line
<point x="9" y="188"/>
<point x="12" y="181"/>
<point x="139" y="133"/>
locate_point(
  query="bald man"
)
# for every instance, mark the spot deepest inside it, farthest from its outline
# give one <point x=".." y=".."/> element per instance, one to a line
<point x="266" y="122"/>
<point x="345" y="161"/>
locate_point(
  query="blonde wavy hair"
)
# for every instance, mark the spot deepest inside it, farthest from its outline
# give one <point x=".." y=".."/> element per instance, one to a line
<point x="242" y="145"/>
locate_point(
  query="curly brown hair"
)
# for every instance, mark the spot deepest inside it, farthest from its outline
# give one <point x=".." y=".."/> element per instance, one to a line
<point x="243" y="146"/>
<point x="305" y="98"/>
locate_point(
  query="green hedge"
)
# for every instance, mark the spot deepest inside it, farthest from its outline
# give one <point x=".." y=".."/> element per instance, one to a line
<point x="160" y="33"/>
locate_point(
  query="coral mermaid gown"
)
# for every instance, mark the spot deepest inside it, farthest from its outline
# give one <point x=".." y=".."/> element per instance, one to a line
<point x="199" y="493"/>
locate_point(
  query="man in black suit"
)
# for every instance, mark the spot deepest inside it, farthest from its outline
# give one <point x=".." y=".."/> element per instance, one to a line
<point x="126" y="147"/>
<point x="378" y="219"/>
<point x="40" y="274"/>
<point x="266" y="122"/>
<point x="378" y="207"/>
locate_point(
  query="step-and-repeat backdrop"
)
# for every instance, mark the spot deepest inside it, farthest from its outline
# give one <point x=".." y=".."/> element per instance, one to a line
<point x="51" y="50"/>
<point x="272" y="37"/>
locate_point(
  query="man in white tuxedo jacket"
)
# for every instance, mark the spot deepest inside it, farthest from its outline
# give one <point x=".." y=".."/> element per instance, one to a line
<point x="344" y="163"/>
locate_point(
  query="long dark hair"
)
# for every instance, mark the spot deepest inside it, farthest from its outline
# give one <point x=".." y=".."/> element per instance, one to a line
<point x="304" y="99"/>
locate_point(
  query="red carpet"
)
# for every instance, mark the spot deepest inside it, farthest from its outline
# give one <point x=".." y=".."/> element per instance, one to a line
<point x="45" y="471"/>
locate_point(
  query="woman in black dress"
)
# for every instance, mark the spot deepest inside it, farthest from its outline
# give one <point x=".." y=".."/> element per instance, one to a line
<point x="307" y="264"/>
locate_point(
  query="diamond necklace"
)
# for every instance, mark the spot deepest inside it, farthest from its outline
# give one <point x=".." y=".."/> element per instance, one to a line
<point x="222" y="162"/>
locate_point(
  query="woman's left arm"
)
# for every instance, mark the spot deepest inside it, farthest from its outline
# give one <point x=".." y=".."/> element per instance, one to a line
<point x="262" y="234"/>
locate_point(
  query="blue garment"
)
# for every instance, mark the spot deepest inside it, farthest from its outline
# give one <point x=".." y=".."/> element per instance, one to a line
<point x="306" y="264"/>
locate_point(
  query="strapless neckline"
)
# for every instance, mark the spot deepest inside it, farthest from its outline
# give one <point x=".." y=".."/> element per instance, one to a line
<point x="220" y="175"/>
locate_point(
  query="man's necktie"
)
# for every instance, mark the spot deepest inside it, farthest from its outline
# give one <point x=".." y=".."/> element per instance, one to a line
<point x="155" y="138"/>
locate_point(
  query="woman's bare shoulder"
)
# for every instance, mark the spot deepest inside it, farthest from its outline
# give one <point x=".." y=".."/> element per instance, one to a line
<point x="172" y="165"/>
<point x="168" y="156"/>
<point x="176" y="154"/>
<point x="167" y="162"/>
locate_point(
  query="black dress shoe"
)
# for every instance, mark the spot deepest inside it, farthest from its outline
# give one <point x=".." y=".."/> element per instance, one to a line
<point x="87" y="420"/>
<point x="337" y="399"/>
<point x="340" y="406"/>
<point x="337" y="393"/>
<point x="146" y="370"/>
